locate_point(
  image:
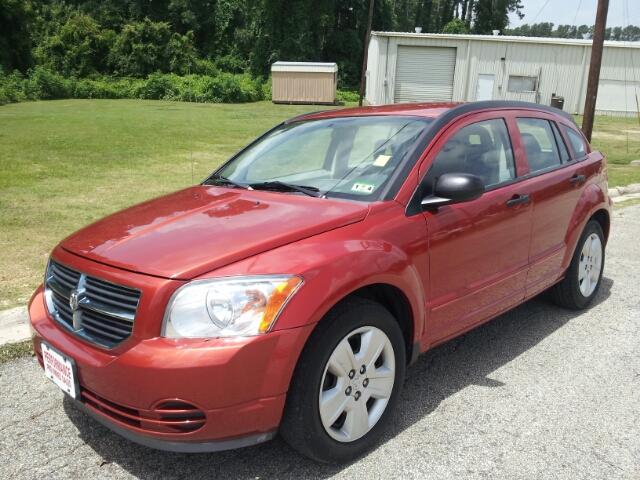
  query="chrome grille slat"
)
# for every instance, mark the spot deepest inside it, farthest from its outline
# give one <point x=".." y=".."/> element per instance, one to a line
<point x="111" y="300"/>
<point x="65" y="277"/>
<point x="101" y="333"/>
<point x="64" y="310"/>
<point x="108" y="310"/>
<point x="105" y="311"/>
<point x="88" y="319"/>
<point x="108" y="288"/>
<point x="59" y="288"/>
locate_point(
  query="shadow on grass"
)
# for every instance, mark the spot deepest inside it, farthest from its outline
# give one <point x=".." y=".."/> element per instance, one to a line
<point x="438" y="374"/>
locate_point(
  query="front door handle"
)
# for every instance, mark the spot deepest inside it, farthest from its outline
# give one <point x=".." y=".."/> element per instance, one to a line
<point x="518" y="201"/>
<point x="577" y="179"/>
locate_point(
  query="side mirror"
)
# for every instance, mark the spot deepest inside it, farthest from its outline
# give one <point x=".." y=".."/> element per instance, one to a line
<point x="454" y="188"/>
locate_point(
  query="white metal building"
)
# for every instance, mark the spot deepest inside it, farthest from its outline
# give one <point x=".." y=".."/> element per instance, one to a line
<point x="414" y="67"/>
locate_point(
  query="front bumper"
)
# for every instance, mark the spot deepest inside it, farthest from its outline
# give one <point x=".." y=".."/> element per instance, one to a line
<point x="222" y="393"/>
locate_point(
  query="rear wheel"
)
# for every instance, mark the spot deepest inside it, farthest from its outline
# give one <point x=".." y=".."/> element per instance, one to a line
<point x="584" y="275"/>
<point x="346" y="384"/>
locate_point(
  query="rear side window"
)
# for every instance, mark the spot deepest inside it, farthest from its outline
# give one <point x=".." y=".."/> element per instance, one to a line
<point x="577" y="142"/>
<point x="482" y="149"/>
<point x="539" y="142"/>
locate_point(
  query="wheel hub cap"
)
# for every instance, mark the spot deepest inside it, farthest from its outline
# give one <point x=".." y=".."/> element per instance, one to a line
<point x="357" y="384"/>
<point x="590" y="265"/>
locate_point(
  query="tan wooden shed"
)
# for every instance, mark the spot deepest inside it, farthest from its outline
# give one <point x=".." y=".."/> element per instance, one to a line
<point x="304" y="83"/>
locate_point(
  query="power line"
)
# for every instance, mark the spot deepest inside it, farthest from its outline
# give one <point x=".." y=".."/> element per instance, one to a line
<point x="576" y="15"/>
<point x="545" y="4"/>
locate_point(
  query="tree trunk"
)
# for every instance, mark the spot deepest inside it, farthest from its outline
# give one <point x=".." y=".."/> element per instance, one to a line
<point x="469" y="14"/>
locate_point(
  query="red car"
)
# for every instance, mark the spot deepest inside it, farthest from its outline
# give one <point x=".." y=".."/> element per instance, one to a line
<point x="290" y="290"/>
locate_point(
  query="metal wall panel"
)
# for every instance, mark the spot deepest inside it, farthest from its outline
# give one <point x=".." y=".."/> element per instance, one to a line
<point x="561" y="66"/>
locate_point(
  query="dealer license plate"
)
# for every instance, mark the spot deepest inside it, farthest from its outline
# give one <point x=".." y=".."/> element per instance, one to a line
<point x="60" y="369"/>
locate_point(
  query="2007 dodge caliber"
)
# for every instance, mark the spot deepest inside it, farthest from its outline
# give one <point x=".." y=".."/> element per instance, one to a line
<point x="290" y="290"/>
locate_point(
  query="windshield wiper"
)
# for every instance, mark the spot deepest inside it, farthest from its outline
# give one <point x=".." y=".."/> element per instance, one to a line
<point x="281" y="186"/>
<point x="231" y="182"/>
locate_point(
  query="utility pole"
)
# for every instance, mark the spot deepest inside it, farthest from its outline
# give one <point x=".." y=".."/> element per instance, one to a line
<point x="366" y="53"/>
<point x="594" y="68"/>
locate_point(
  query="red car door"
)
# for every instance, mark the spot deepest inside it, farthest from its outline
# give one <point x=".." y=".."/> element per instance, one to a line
<point x="479" y="249"/>
<point x="557" y="182"/>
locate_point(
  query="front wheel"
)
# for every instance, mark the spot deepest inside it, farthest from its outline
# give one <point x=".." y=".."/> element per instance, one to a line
<point x="346" y="384"/>
<point x="582" y="282"/>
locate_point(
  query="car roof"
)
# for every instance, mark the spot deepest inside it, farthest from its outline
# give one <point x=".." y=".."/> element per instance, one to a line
<point x="431" y="110"/>
<point x="428" y="110"/>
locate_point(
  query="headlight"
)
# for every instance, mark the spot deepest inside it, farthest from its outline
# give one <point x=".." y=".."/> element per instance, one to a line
<point x="227" y="307"/>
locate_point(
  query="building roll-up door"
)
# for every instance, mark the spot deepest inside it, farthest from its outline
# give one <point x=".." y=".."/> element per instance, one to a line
<point x="424" y="74"/>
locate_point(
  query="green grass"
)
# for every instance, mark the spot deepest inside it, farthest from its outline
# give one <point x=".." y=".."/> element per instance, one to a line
<point x="14" y="351"/>
<point x="619" y="139"/>
<point x="64" y="164"/>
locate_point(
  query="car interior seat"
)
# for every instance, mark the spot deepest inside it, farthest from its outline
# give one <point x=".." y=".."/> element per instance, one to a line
<point x="535" y="155"/>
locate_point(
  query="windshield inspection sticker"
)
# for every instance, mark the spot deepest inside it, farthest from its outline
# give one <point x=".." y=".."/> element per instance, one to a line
<point x="363" y="187"/>
<point x="382" y="160"/>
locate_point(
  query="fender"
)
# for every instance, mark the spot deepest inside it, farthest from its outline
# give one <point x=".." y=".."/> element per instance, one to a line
<point x="337" y="263"/>
<point x="591" y="200"/>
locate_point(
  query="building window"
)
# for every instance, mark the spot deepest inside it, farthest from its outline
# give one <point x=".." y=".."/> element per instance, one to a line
<point x="518" y="83"/>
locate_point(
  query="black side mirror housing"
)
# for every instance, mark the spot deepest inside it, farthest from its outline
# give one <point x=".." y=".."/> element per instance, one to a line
<point x="454" y="188"/>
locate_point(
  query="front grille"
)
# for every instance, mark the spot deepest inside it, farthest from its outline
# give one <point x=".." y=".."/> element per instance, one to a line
<point x="98" y="311"/>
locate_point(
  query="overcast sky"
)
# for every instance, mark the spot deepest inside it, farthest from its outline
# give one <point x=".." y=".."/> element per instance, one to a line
<point x="562" y="12"/>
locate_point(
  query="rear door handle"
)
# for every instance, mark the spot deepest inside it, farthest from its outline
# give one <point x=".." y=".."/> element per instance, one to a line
<point x="518" y="201"/>
<point x="577" y="179"/>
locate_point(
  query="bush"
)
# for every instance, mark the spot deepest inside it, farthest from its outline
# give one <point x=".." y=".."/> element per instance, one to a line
<point x="42" y="84"/>
<point x="12" y="87"/>
<point x="348" y="96"/>
<point x="158" y="86"/>
<point x="267" y="89"/>
<point x="47" y="85"/>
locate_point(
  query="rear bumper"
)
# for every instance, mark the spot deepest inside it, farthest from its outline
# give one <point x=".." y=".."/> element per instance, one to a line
<point x="234" y="389"/>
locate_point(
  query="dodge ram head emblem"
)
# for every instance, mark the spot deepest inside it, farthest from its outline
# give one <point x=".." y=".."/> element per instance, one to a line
<point x="73" y="300"/>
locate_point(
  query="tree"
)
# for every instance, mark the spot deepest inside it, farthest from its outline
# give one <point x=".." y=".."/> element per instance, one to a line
<point x="16" y="17"/>
<point x="145" y="47"/>
<point x="456" y="27"/>
<point x="78" y="48"/>
<point x="494" y="14"/>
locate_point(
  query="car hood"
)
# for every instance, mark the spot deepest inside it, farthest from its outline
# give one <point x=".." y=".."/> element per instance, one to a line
<point x="194" y="231"/>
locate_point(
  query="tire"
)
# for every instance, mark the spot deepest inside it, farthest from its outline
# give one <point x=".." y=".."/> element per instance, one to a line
<point x="334" y="414"/>
<point x="584" y="276"/>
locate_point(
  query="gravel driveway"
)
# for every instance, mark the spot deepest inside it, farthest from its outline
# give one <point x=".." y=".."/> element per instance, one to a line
<point x="539" y="392"/>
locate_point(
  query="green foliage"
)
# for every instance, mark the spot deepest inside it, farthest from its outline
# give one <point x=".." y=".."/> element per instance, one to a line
<point x="492" y="15"/>
<point x="43" y="84"/>
<point x="630" y="33"/>
<point x="77" y="48"/>
<point x="455" y="27"/>
<point x="47" y="85"/>
<point x="12" y="87"/>
<point x="16" y="19"/>
<point x="146" y="47"/>
<point x="348" y="96"/>
<point x="97" y="40"/>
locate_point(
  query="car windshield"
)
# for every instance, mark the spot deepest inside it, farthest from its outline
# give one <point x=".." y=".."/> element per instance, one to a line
<point x="351" y="157"/>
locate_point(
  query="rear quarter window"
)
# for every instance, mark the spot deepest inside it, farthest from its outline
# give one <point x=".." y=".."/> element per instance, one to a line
<point x="576" y="141"/>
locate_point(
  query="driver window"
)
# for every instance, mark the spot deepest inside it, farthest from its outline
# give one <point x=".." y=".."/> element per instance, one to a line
<point x="482" y="149"/>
